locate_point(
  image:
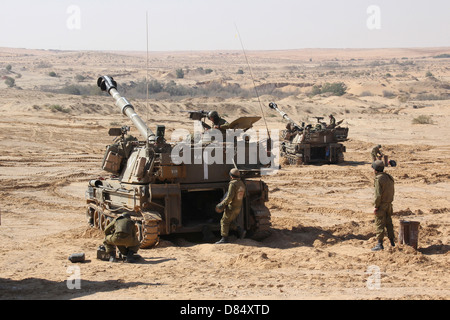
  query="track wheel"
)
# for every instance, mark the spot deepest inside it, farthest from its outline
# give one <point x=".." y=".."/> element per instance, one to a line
<point x="150" y="233"/>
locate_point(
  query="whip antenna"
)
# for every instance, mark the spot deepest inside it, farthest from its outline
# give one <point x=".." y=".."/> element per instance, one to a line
<point x="253" y="79"/>
<point x="146" y="77"/>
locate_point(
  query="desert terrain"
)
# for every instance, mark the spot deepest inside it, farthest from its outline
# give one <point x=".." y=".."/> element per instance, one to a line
<point x="54" y="126"/>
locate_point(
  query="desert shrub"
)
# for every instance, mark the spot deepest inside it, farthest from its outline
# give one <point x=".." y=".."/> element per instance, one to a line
<point x="424" y="96"/>
<point x="10" y="82"/>
<point x="423" y="119"/>
<point x="336" y="88"/>
<point x="444" y="55"/>
<point x="179" y="73"/>
<point x="388" y="94"/>
<point x="58" y="108"/>
<point x="80" y="78"/>
<point x="315" y="91"/>
<point x="366" y="94"/>
<point x="8" y="68"/>
<point x="428" y="74"/>
<point x="240" y="71"/>
<point x="52" y="74"/>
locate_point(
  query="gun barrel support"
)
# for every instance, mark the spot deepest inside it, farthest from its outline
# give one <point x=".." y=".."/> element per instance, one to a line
<point x="107" y="83"/>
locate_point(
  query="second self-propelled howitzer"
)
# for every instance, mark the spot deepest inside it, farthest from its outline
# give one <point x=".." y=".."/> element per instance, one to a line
<point x="164" y="195"/>
<point x="305" y="144"/>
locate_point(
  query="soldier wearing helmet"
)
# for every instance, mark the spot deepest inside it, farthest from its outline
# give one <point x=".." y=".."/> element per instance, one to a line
<point x="121" y="232"/>
<point x="376" y="153"/>
<point x="231" y="205"/>
<point x="332" y="122"/>
<point x="384" y="195"/>
<point x="218" y="122"/>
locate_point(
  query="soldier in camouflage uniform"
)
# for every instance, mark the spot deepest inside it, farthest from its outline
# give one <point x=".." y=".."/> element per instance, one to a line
<point x="376" y="153"/>
<point x="121" y="232"/>
<point x="218" y="122"/>
<point x="231" y="205"/>
<point x="384" y="195"/>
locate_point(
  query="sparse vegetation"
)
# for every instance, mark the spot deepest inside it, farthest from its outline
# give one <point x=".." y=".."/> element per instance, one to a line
<point x="366" y="94"/>
<point x="10" y="82"/>
<point x="425" y="96"/>
<point x="423" y="119"/>
<point x="179" y="73"/>
<point x="335" y="89"/>
<point x="8" y="68"/>
<point x="388" y="94"/>
<point x="58" y="108"/>
<point x="440" y="56"/>
<point x="52" y="74"/>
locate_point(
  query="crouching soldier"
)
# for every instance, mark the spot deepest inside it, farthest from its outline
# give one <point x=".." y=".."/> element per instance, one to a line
<point x="121" y="232"/>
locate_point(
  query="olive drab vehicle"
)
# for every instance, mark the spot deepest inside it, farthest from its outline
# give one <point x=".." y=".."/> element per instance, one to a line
<point x="164" y="197"/>
<point x="310" y="144"/>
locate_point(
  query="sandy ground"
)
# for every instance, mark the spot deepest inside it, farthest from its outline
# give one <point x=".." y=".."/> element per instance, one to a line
<point x="322" y="221"/>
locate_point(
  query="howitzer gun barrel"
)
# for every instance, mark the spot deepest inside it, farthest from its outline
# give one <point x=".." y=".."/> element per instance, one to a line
<point x="274" y="106"/>
<point x="107" y="83"/>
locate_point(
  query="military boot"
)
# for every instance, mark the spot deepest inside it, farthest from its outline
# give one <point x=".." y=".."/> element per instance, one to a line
<point x="223" y="240"/>
<point x="378" y="247"/>
<point x="112" y="257"/>
<point x="392" y="242"/>
<point x="130" y="258"/>
<point x="241" y="233"/>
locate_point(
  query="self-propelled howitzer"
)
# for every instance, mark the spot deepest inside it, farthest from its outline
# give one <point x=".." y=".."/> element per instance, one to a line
<point x="165" y="196"/>
<point x="317" y="143"/>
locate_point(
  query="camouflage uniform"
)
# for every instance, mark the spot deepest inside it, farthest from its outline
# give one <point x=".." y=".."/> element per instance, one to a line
<point x="121" y="232"/>
<point x="376" y="152"/>
<point x="221" y="124"/>
<point x="232" y="205"/>
<point x="384" y="195"/>
<point x="332" y="121"/>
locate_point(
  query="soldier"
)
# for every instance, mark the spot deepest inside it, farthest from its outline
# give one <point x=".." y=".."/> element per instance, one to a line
<point x="332" y="122"/>
<point x="121" y="232"/>
<point x="218" y="122"/>
<point x="231" y="205"/>
<point x="384" y="195"/>
<point x="376" y="153"/>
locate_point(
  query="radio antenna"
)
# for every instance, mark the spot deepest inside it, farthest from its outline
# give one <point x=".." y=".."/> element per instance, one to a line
<point x="146" y="77"/>
<point x="253" y="79"/>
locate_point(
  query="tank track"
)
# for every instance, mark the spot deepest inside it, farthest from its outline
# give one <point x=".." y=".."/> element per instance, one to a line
<point x="261" y="225"/>
<point x="149" y="232"/>
<point x="293" y="159"/>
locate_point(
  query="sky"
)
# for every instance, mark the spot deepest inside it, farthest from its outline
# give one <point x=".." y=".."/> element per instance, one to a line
<point x="180" y="25"/>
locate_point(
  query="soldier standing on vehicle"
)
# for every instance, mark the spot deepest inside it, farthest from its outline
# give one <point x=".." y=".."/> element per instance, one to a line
<point x="121" y="232"/>
<point x="332" y="122"/>
<point x="231" y="205"/>
<point x="376" y="153"/>
<point x="384" y="195"/>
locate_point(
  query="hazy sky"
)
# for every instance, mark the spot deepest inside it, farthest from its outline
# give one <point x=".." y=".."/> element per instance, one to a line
<point x="210" y="24"/>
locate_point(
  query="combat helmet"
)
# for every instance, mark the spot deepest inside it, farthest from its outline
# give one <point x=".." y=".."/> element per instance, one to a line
<point x="378" y="165"/>
<point x="212" y="115"/>
<point x="235" y="173"/>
